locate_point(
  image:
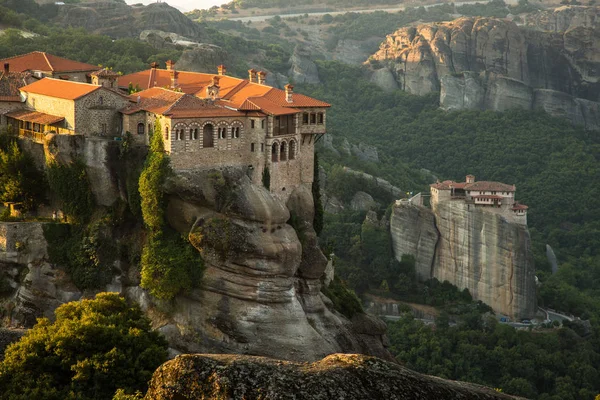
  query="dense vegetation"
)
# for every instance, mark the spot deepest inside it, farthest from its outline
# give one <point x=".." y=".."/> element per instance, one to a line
<point x="169" y="262"/>
<point x="92" y="349"/>
<point x="556" y="169"/>
<point x="555" y="364"/>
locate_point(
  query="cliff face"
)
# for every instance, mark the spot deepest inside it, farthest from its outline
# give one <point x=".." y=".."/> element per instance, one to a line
<point x="487" y="63"/>
<point x="338" y="376"/>
<point x="260" y="292"/>
<point x="471" y="248"/>
<point x="118" y="20"/>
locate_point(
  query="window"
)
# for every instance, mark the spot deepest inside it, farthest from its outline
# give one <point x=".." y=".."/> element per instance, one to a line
<point x="104" y="129"/>
<point x="283" y="152"/>
<point x="262" y="147"/>
<point x="166" y="133"/>
<point x="101" y="100"/>
<point x="235" y="132"/>
<point x="262" y="123"/>
<point x="252" y="123"/>
<point x="320" y="118"/>
<point x="313" y="118"/>
<point x="305" y="119"/>
<point x="140" y="129"/>
<point x="222" y="132"/>
<point x="194" y="134"/>
<point x="207" y="136"/>
<point x="252" y="147"/>
<point x="274" y="152"/>
<point x="149" y="129"/>
<point x="179" y="134"/>
<point x="292" y="150"/>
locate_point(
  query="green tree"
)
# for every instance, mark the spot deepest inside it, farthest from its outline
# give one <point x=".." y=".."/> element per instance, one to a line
<point x="71" y="185"/>
<point x="92" y="349"/>
<point x="20" y="180"/>
<point x="152" y="179"/>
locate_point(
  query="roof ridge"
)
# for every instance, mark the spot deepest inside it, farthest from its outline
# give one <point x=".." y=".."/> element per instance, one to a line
<point x="48" y="61"/>
<point x="174" y="103"/>
<point x="22" y="55"/>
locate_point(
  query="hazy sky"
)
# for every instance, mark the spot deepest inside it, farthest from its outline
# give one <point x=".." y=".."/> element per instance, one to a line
<point x="185" y="5"/>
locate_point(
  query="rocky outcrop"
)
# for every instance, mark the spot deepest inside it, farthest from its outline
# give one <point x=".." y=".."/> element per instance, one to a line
<point x="384" y="79"/>
<point x="362" y="201"/>
<point x="473" y="249"/>
<point x="302" y="68"/>
<point x="203" y="58"/>
<point x="564" y="18"/>
<point x="117" y="19"/>
<point x="260" y="291"/>
<point x="338" y="376"/>
<point x="487" y="63"/>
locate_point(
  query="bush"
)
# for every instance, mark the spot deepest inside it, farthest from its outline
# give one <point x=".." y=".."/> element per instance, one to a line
<point x="71" y="185"/>
<point x="92" y="349"/>
<point x="20" y="180"/>
<point x="344" y="300"/>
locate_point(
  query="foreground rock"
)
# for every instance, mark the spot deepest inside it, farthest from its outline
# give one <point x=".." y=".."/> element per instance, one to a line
<point x="338" y="376"/>
<point x="487" y="63"/>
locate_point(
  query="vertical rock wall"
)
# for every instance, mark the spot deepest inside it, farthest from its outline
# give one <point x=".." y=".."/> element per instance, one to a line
<point x="476" y="250"/>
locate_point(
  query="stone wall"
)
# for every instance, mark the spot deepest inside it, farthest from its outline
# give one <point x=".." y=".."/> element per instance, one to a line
<point x="97" y="114"/>
<point x="53" y="106"/>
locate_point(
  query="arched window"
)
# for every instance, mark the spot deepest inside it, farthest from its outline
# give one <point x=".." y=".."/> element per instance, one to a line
<point x="283" y="152"/>
<point x="194" y="133"/>
<point x="292" y="150"/>
<point x="222" y="130"/>
<point x="140" y="129"/>
<point x="275" y="152"/>
<point x="235" y="132"/>
<point x="207" y="136"/>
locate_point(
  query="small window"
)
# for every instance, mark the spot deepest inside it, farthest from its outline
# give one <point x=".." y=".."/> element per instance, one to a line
<point x="140" y="129"/>
<point x="283" y="152"/>
<point x="262" y="123"/>
<point x="194" y="134"/>
<point x="313" y="118"/>
<point x="166" y="133"/>
<point x="274" y="152"/>
<point x="101" y="100"/>
<point x="235" y="132"/>
<point x="222" y="133"/>
<point x="252" y="147"/>
<point x="305" y="118"/>
<point x="320" y="118"/>
<point x="262" y="147"/>
<point x="252" y="123"/>
<point x="149" y="129"/>
<point x="103" y="129"/>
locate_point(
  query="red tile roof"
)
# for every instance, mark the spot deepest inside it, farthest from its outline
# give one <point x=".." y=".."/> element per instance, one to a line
<point x="483" y="186"/>
<point x="60" y="89"/>
<point x="518" y="206"/>
<point x="35" y="116"/>
<point x="41" y="61"/>
<point x="176" y="105"/>
<point x="234" y="92"/>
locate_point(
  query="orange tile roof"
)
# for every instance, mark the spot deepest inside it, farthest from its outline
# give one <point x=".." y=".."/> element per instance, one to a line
<point x="35" y="116"/>
<point x="60" y="89"/>
<point x="42" y="61"/>
<point x="176" y="105"/>
<point x="518" y="206"/>
<point x="484" y="186"/>
<point x="234" y="92"/>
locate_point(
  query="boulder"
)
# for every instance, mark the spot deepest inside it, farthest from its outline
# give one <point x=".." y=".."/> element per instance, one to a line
<point x="337" y="376"/>
<point x="362" y="201"/>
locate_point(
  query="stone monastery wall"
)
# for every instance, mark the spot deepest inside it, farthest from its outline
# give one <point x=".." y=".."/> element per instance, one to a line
<point x="97" y="113"/>
<point x="53" y="106"/>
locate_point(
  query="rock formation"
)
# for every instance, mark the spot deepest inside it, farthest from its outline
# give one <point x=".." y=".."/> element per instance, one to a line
<point x="117" y="20"/>
<point x="203" y="58"/>
<point x="302" y="68"/>
<point x="260" y="292"/>
<point x="471" y="248"/>
<point x="487" y="63"/>
<point x="338" y="376"/>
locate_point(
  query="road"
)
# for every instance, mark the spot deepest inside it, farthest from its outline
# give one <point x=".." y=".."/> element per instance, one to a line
<point x="316" y="14"/>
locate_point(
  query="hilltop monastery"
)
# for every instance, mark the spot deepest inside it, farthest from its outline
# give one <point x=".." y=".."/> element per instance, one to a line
<point x="207" y="120"/>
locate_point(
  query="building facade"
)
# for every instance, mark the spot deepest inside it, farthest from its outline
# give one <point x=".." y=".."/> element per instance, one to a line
<point x="494" y="197"/>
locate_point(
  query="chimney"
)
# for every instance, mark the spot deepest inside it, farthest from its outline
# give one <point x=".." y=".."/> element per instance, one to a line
<point x="174" y="75"/>
<point x="212" y="91"/>
<point x="154" y="65"/>
<point x="6" y="68"/>
<point x="222" y="70"/>
<point x="170" y="65"/>
<point x="251" y="75"/>
<point x="470" y="178"/>
<point x="289" y="91"/>
<point x="262" y="77"/>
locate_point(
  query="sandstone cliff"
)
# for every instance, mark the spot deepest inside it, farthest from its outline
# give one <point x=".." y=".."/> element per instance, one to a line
<point x="487" y="63"/>
<point x="335" y="377"/>
<point x="261" y="288"/>
<point x="471" y="248"/>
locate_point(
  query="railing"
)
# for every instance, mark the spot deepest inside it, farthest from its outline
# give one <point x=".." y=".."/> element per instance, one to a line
<point x="37" y="137"/>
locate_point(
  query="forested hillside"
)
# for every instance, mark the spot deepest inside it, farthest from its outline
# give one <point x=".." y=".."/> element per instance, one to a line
<point x="556" y="169"/>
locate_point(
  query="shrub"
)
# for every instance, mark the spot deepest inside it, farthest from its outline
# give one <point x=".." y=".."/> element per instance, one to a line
<point x="93" y="348"/>
<point x="344" y="300"/>
<point x="71" y="184"/>
<point x="20" y="180"/>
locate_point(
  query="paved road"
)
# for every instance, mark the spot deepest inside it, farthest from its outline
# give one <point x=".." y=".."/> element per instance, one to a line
<point x="316" y="14"/>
